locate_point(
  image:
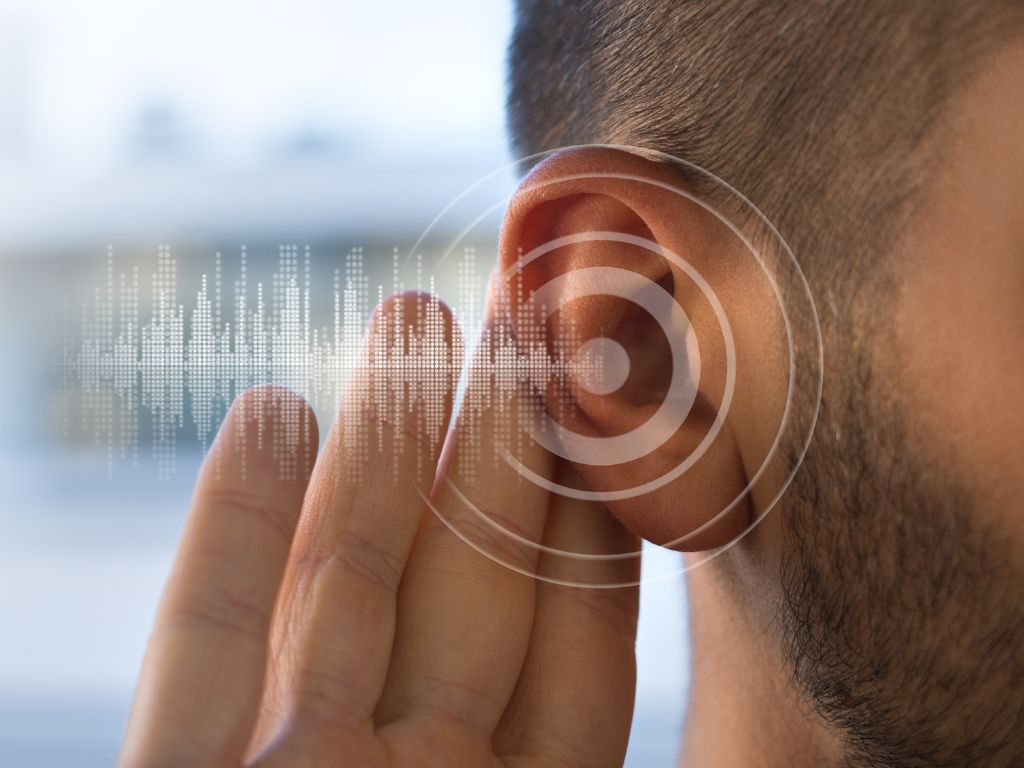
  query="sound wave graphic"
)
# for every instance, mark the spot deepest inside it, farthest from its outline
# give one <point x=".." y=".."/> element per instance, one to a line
<point x="160" y="371"/>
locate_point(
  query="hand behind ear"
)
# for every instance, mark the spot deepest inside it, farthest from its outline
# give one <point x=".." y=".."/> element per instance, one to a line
<point x="329" y="619"/>
<point x="691" y="302"/>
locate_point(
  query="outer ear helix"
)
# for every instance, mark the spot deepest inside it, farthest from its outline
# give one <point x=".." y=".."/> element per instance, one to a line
<point x="691" y="486"/>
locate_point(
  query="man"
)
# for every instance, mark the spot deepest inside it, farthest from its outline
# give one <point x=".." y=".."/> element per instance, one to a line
<point x="873" y="617"/>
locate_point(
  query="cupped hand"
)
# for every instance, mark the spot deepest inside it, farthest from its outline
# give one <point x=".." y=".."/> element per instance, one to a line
<point x="319" y="613"/>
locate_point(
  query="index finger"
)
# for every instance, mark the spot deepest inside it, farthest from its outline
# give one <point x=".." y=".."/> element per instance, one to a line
<point x="202" y="677"/>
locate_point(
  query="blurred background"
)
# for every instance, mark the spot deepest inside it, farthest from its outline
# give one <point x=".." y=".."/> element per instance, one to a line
<point x="206" y="125"/>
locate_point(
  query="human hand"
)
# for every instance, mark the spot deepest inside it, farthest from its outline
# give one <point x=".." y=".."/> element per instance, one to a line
<point x="316" y="618"/>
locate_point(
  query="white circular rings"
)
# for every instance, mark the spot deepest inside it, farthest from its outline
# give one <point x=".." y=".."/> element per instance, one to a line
<point x="603" y="365"/>
<point x="463" y="216"/>
<point x="653" y="433"/>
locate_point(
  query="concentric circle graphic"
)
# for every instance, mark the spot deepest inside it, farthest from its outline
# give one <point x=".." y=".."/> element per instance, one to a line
<point x="613" y="361"/>
<point x="601" y="451"/>
<point x="669" y="417"/>
<point x="602" y="365"/>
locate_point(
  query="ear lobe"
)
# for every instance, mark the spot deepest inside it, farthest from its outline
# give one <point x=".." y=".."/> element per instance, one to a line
<point x="592" y="235"/>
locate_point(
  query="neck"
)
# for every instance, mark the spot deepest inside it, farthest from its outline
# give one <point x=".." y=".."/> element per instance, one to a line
<point x="743" y="709"/>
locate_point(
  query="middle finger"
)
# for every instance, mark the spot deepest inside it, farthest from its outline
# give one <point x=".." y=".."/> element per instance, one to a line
<point x="464" y="614"/>
<point x="362" y="512"/>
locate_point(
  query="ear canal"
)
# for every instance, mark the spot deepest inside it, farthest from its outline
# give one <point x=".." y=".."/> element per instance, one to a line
<point x="628" y="330"/>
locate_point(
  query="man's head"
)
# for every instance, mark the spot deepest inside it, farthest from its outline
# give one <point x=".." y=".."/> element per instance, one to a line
<point x="883" y="141"/>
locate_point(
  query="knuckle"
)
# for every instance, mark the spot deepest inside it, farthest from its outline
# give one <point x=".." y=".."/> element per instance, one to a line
<point x="329" y="697"/>
<point x="219" y="609"/>
<point x="354" y="554"/>
<point x="376" y="565"/>
<point x="495" y="535"/>
<point x="453" y="706"/>
<point x="250" y="509"/>
<point x="602" y="605"/>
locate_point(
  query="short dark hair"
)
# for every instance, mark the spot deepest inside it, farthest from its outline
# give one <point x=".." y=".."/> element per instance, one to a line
<point x="821" y="112"/>
<point x="831" y="117"/>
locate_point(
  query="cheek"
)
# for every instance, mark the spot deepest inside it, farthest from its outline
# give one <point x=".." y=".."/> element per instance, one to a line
<point x="960" y="347"/>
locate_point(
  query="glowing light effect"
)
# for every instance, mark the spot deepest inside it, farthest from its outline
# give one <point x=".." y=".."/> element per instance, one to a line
<point x="154" y="373"/>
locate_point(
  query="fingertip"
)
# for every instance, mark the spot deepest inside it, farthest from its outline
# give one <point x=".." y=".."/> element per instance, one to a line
<point x="415" y="308"/>
<point x="270" y="434"/>
<point x="423" y="316"/>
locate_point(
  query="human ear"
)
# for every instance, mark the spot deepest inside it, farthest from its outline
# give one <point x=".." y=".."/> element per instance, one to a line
<point x="650" y="300"/>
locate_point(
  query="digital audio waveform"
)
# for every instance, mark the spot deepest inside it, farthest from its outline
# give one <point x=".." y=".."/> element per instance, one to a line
<point x="153" y="371"/>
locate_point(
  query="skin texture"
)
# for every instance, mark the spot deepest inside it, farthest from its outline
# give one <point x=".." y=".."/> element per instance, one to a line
<point x="872" y="618"/>
<point x="316" y="618"/>
<point x="891" y="572"/>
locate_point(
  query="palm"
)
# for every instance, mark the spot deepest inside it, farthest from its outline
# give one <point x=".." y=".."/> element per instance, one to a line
<point x="335" y="620"/>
